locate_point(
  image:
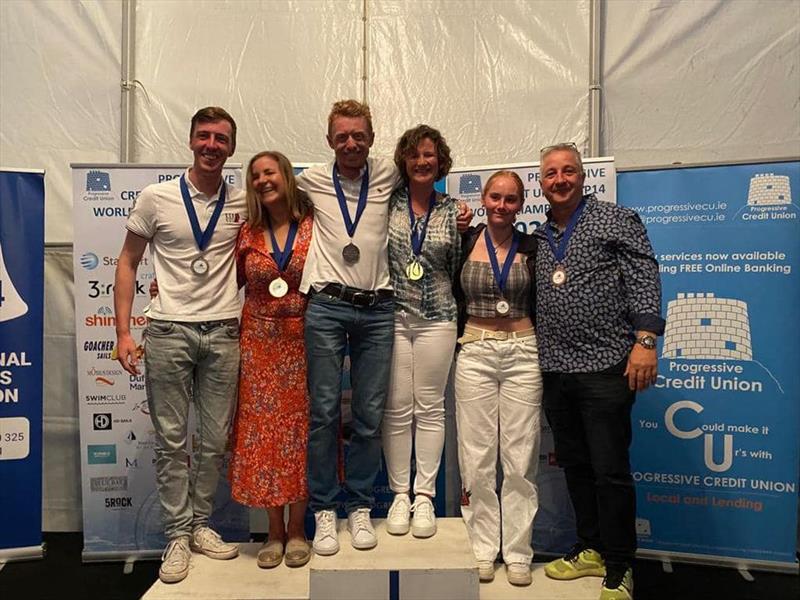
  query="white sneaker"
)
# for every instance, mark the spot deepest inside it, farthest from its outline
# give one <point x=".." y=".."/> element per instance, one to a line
<point x="397" y="520"/>
<point x="326" y="539"/>
<point x="519" y="573"/>
<point x="361" y="531"/>
<point x="207" y="541"/>
<point x="423" y="525"/>
<point x="486" y="570"/>
<point x="175" y="560"/>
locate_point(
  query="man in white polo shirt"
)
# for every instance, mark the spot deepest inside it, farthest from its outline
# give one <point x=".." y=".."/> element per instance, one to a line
<point x="347" y="277"/>
<point x="192" y="337"/>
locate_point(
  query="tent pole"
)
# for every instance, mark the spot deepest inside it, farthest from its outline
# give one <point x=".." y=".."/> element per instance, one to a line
<point x="364" y="55"/>
<point x="595" y="89"/>
<point x="127" y="82"/>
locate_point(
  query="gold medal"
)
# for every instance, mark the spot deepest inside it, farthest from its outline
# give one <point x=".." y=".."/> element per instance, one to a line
<point x="414" y="270"/>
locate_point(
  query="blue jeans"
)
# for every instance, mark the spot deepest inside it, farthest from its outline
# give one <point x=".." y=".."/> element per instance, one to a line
<point x="199" y="363"/>
<point x="332" y="324"/>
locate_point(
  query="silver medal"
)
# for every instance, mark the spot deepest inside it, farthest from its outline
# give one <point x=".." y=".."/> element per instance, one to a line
<point x="351" y="254"/>
<point x="559" y="276"/>
<point x="278" y="287"/>
<point x="200" y="266"/>
<point x="502" y="307"/>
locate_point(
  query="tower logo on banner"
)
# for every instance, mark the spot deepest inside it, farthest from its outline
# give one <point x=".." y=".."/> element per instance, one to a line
<point x="769" y="198"/>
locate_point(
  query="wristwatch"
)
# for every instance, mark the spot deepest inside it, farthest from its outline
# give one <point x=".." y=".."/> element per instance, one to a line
<point x="647" y="341"/>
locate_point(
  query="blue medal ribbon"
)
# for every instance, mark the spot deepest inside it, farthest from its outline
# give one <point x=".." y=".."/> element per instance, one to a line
<point x="349" y="224"/>
<point x="501" y="276"/>
<point x="560" y="250"/>
<point x="418" y="237"/>
<point x="281" y="257"/>
<point x="201" y="237"/>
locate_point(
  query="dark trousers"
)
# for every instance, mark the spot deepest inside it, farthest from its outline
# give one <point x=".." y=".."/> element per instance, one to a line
<point x="590" y="415"/>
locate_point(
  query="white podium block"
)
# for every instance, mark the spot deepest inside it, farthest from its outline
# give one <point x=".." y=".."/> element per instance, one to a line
<point x="399" y="568"/>
<point x="237" y="579"/>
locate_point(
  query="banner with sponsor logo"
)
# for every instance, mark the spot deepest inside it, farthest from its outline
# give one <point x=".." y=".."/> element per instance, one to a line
<point x="21" y="350"/>
<point x="466" y="184"/>
<point x="715" y="452"/>
<point x="554" y="527"/>
<point x="121" y="510"/>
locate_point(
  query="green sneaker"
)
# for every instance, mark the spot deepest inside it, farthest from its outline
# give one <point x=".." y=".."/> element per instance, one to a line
<point x="615" y="588"/>
<point x="577" y="563"/>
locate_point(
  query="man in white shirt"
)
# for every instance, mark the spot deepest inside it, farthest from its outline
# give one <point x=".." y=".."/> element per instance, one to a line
<point x="351" y="306"/>
<point x="192" y="338"/>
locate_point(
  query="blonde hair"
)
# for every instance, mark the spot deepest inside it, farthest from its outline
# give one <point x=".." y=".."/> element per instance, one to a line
<point x="350" y="108"/>
<point x="511" y="175"/>
<point x="296" y="201"/>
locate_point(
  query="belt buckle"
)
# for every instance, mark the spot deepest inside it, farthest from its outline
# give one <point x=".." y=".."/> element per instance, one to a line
<point x="501" y="336"/>
<point x="363" y="298"/>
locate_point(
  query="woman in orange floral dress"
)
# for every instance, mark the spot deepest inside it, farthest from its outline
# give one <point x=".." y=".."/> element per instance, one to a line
<point x="268" y="465"/>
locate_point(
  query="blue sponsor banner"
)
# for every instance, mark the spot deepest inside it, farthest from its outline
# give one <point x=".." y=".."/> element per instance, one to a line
<point x="21" y="302"/>
<point x="715" y="452"/>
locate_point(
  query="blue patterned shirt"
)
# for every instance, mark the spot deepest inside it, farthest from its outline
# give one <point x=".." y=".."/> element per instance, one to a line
<point x="431" y="297"/>
<point x="612" y="289"/>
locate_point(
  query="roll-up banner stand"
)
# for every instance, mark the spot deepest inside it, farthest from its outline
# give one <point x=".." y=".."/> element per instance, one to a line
<point x="715" y="443"/>
<point x="121" y="511"/>
<point x="554" y="527"/>
<point x="21" y="349"/>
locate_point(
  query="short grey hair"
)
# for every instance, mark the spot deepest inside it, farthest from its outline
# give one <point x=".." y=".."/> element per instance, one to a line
<point x="568" y="146"/>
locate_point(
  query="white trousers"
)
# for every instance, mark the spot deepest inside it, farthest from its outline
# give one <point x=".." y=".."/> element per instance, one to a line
<point x="421" y="359"/>
<point x="498" y="389"/>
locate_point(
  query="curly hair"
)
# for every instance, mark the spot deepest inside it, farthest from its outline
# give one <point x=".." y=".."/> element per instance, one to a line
<point x="409" y="141"/>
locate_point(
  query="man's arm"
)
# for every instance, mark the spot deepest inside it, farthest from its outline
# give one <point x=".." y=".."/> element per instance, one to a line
<point x="124" y="288"/>
<point x="642" y="367"/>
<point x="643" y="292"/>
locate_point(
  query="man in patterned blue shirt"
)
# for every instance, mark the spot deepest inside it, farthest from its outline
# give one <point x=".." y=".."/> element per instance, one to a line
<point x="598" y="315"/>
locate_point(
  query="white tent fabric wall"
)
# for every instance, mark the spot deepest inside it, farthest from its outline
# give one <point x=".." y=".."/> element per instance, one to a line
<point x="708" y="81"/>
<point x="493" y="76"/>
<point x="683" y="81"/>
<point x="59" y="76"/>
<point x="276" y="66"/>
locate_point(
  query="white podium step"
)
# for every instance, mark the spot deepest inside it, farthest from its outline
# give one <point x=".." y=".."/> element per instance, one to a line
<point x="399" y="568"/>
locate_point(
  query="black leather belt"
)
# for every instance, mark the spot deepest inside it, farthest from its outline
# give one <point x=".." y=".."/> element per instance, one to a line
<point x="356" y="296"/>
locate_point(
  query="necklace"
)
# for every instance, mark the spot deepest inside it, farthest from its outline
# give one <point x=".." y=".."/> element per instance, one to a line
<point x="504" y="240"/>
